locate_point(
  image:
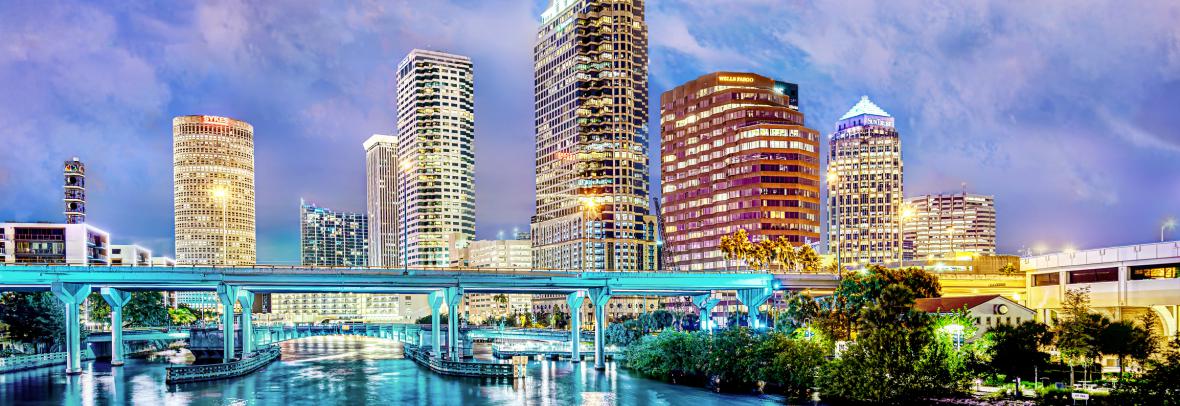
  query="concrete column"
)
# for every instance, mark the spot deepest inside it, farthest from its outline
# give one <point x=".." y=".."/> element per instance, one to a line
<point x="705" y="303"/>
<point x="246" y="298"/>
<point x="116" y="299"/>
<point x="753" y="298"/>
<point x="436" y="300"/>
<point x="574" y="300"/>
<point x="72" y="295"/>
<point x="228" y="295"/>
<point x="454" y="297"/>
<point x="599" y="298"/>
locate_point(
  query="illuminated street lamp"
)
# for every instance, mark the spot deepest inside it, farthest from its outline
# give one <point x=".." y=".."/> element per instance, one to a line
<point x="221" y="194"/>
<point x="587" y="205"/>
<point x="1168" y="224"/>
<point x="833" y="179"/>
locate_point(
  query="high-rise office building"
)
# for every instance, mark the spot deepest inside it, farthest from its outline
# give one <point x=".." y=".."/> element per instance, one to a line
<point x="436" y="154"/>
<point x="945" y="225"/>
<point x="865" y="187"/>
<point x="213" y="186"/>
<point x="735" y="155"/>
<point x="331" y="238"/>
<point x="75" y="191"/>
<point x="381" y="188"/>
<point x="590" y="70"/>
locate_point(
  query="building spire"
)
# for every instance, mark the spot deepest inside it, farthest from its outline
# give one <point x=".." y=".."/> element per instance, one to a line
<point x="865" y="106"/>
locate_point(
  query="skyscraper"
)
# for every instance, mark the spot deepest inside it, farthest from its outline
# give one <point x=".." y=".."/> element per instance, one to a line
<point x="944" y="225"/>
<point x="75" y="191"/>
<point x="381" y="189"/>
<point x="331" y="238"/>
<point x="735" y="155"/>
<point x="436" y="154"/>
<point x="865" y="187"/>
<point x="590" y="70"/>
<point x="326" y="238"/>
<point x="213" y="186"/>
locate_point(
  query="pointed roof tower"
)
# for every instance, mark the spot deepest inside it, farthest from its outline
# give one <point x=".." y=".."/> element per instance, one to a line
<point x="863" y="107"/>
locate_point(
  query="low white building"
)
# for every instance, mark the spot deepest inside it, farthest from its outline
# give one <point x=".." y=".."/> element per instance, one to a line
<point x="1124" y="282"/>
<point x="500" y="255"/>
<point x="53" y="243"/>
<point x="987" y="310"/>
<point x="130" y="255"/>
<point x="163" y="261"/>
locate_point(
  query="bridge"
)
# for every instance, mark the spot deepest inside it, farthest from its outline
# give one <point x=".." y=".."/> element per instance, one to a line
<point x="444" y="288"/>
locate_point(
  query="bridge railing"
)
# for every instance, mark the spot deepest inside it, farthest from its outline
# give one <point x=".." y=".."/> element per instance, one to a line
<point x="355" y="270"/>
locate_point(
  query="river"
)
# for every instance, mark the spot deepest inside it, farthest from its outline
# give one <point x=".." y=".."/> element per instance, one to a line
<point x="353" y="371"/>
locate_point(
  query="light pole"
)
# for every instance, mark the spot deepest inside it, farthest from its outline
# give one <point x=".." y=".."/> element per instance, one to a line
<point x="221" y="194"/>
<point x="833" y="183"/>
<point x="588" y="205"/>
<point x="905" y="213"/>
<point x="1168" y="224"/>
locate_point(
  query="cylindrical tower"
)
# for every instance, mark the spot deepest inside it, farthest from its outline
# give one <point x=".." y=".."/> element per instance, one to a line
<point x="213" y="190"/>
<point x="75" y="191"/>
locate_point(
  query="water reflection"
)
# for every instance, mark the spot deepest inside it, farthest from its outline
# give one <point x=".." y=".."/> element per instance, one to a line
<point x="348" y="370"/>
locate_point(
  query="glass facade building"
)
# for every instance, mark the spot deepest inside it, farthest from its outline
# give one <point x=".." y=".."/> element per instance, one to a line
<point x="591" y="104"/>
<point x="735" y="155"/>
<point x="381" y="189"/>
<point x="436" y="154"/>
<point x="330" y="238"/>
<point x="865" y="187"/>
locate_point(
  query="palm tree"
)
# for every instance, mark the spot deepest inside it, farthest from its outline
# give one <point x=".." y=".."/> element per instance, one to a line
<point x="502" y="299"/>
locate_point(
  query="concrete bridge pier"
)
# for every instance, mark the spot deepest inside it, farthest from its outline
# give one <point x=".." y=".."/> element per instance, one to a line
<point x="598" y="298"/>
<point x="705" y="303"/>
<point x="454" y="297"/>
<point x="246" y="298"/>
<point x="228" y="295"/>
<point x="753" y="298"/>
<point x="436" y="300"/>
<point x="72" y="295"/>
<point x="116" y="299"/>
<point x="575" y="300"/>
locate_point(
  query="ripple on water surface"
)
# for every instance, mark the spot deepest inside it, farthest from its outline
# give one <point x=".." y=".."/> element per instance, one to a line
<point x="349" y="370"/>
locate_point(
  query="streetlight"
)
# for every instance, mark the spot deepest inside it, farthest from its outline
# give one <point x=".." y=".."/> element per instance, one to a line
<point x="905" y="213"/>
<point x="833" y="179"/>
<point x="588" y="205"/>
<point x="221" y="194"/>
<point x="1168" y="224"/>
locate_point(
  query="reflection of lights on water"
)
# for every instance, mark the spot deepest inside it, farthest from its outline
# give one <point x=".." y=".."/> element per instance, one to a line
<point x="599" y="398"/>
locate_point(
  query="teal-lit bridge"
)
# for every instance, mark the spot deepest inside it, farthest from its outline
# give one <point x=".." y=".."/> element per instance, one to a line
<point x="444" y="288"/>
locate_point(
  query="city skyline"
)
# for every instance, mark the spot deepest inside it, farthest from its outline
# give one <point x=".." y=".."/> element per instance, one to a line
<point x="1043" y="136"/>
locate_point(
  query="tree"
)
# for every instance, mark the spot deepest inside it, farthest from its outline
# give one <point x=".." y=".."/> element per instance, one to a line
<point x="36" y="318"/>
<point x="1017" y="349"/>
<point x="807" y="260"/>
<point x="794" y="365"/>
<point x="1010" y="269"/>
<point x="1077" y="332"/>
<point x="734" y="360"/>
<point x="144" y="309"/>
<point x="895" y="358"/>
<point x="1158" y="385"/>
<point x="502" y="300"/>
<point x="1124" y="339"/>
<point x="182" y="316"/>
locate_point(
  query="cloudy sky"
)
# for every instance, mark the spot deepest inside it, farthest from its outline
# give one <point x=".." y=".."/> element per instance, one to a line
<point x="1058" y="108"/>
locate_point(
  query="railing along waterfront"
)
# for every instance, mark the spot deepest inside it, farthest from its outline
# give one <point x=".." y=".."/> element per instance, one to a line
<point x="196" y="373"/>
<point x="471" y="368"/>
<point x="354" y="270"/>
<point x="24" y="362"/>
